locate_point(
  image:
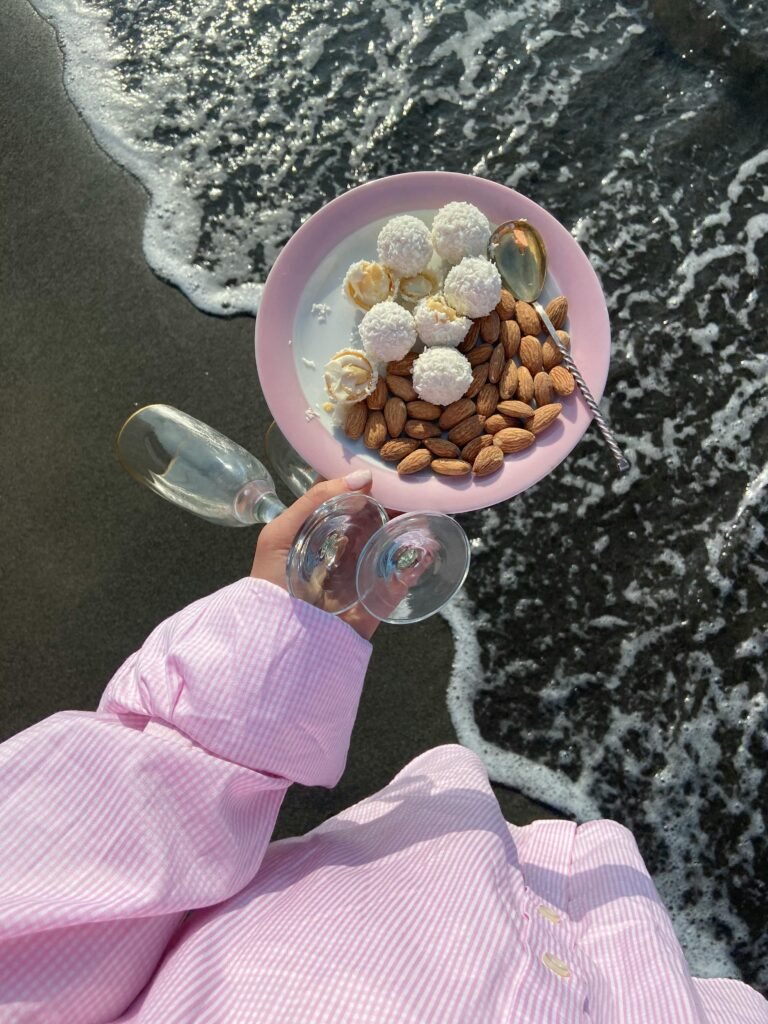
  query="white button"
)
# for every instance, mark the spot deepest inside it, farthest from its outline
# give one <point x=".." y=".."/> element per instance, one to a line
<point x="556" y="965"/>
<point x="552" y="916"/>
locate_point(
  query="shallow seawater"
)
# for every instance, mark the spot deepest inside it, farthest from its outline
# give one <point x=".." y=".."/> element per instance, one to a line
<point x="616" y="660"/>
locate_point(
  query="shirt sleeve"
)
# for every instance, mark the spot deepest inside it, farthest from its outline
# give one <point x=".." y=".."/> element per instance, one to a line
<point x="114" y="824"/>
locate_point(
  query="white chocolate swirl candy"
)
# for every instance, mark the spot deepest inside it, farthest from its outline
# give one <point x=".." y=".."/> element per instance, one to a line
<point x="367" y="283"/>
<point x="350" y="376"/>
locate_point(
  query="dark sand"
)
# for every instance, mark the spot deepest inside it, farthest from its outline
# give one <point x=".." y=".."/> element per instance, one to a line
<point x="90" y="561"/>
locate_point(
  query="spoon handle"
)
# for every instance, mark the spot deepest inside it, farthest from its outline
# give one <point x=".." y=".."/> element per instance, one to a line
<point x="622" y="462"/>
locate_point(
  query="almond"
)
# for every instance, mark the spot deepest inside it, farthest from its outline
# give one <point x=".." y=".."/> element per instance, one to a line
<point x="565" y="338"/>
<point x="524" y="385"/>
<point x="506" y="305"/>
<point x="517" y="410"/>
<point x="451" y="467"/>
<point x="463" y="432"/>
<point x="395" y="415"/>
<point x="378" y="399"/>
<point x="550" y="355"/>
<point x="543" y="391"/>
<point x="421" y="429"/>
<point x="479" y="377"/>
<point x="420" y="410"/>
<point x="510" y="337"/>
<point x="441" y="448"/>
<point x="530" y="354"/>
<point x="354" y="424"/>
<point x="514" y="439"/>
<point x="496" y="364"/>
<point x="528" y="318"/>
<point x="544" y="417"/>
<point x="456" y="412"/>
<point x="470" y="339"/>
<point x="480" y="354"/>
<point x="375" y="433"/>
<point x="488" y="461"/>
<point x="414" y="462"/>
<point x="490" y="326"/>
<point x="395" y="451"/>
<point x="498" y="422"/>
<point x="508" y="382"/>
<point x="401" y="387"/>
<point x="562" y="380"/>
<point x="557" y="311"/>
<point x="470" y="451"/>
<point x="487" y="400"/>
<point x="402" y="367"/>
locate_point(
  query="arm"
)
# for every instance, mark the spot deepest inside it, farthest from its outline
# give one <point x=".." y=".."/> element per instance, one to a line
<point x="113" y="824"/>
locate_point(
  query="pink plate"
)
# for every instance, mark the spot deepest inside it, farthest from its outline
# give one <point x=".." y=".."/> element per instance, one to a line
<point x="303" y="319"/>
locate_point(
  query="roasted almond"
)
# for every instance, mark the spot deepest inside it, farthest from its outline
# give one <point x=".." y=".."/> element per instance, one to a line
<point x="354" y="424"/>
<point x="562" y="380"/>
<point x="442" y="448"/>
<point x="557" y="311"/>
<point x="543" y="391"/>
<point x="401" y="387"/>
<point x="506" y="305"/>
<point x="510" y="337"/>
<point x="530" y="354"/>
<point x="528" y="318"/>
<point x="524" y="385"/>
<point x="456" y="412"/>
<point x="395" y="415"/>
<point x="550" y="355"/>
<point x="378" y="399"/>
<point x="470" y="338"/>
<point x="375" y="433"/>
<point x="396" y="451"/>
<point x="498" y="422"/>
<point x="544" y="417"/>
<point x="496" y="364"/>
<point x="479" y="377"/>
<point x="402" y="367"/>
<point x="420" y="410"/>
<point x="490" y="326"/>
<point x="470" y="450"/>
<point x="421" y="429"/>
<point x="451" y="467"/>
<point x="513" y="439"/>
<point x="565" y="338"/>
<point x="508" y="380"/>
<point x="489" y="460"/>
<point x="463" y="432"/>
<point x="480" y="354"/>
<point x="413" y="463"/>
<point x="487" y="399"/>
<point x="517" y="410"/>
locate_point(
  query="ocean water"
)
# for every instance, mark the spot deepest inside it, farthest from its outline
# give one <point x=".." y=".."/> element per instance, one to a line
<point x="612" y="638"/>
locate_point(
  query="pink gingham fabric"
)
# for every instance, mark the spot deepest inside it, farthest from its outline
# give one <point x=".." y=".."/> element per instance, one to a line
<point x="138" y="882"/>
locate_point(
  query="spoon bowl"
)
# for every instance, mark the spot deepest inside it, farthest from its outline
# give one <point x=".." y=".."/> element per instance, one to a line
<point x="519" y="252"/>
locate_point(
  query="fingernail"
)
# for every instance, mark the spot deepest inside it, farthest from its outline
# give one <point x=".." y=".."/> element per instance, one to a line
<point x="359" y="479"/>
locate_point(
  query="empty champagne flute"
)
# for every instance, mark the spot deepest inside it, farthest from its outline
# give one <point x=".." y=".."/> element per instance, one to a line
<point x="400" y="570"/>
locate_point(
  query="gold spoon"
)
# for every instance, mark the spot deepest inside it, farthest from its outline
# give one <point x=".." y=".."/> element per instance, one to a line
<point x="518" y="251"/>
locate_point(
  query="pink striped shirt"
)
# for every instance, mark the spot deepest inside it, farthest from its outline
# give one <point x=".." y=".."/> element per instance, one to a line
<point x="138" y="882"/>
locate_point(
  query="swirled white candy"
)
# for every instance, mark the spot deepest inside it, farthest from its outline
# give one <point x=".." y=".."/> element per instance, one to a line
<point x="437" y="323"/>
<point x="473" y="287"/>
<point x="441" y="375"/>
<point x="404" y="245"/>
<point x="459" y="230"/>
<point x="388" y="332"/>
<point x="349" y="376"/>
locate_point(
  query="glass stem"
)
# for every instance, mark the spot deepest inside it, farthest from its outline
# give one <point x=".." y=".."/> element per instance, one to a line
<point x="256" y="502"/>
<point x="267" y="508"/>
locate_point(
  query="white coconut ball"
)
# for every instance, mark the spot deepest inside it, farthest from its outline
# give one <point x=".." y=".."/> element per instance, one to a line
<point x="473" y="287"/>
<point x="459" y="230"/>
<point x="437" y="323"/>
<point x="441" y="375"/>
<point x="404" y="245"/>
<point x="388" y="332"/>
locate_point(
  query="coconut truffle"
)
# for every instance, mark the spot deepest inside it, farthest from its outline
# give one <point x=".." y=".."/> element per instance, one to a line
<point x="459" y="230"/>
<point x="441" y="375"/>
<point x="349" y="376"/>
<point x="388" y="332"/>
<point x="404" y="245"/>
<point x="367" y="283"/>
<point x="473" y="287"/>
<point x="437" y="323"/>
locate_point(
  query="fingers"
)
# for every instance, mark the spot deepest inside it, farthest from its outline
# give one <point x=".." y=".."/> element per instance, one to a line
<point x="282" y="531"/>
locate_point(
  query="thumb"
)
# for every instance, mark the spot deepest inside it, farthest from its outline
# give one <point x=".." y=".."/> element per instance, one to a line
<point x="283" y="530"/>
